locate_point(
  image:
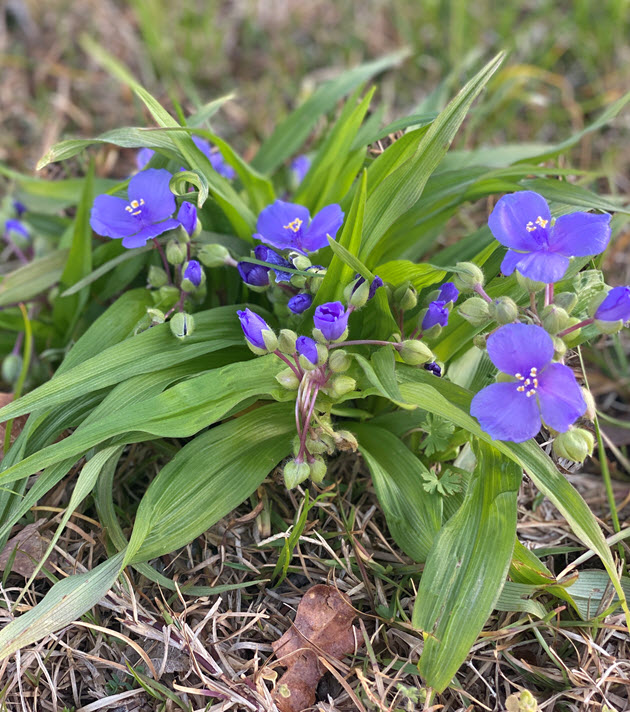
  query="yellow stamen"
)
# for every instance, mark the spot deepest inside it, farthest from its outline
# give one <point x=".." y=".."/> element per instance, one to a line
<point x="294" y="225"/>
<point x="530" y="227"/>
<point x="520" y="388"/>
<point x="541" y="221"/>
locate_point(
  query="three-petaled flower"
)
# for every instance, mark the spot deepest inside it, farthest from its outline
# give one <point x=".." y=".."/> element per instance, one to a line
<point x="512" y="411"/>
<point x="540" y="248"/>
<point x="437" y="313"/>
<point x="145" y="215"/>
<point x="616" y="305"/>
<point x="289" y="226"/>
<point x="331" y="319"/>
<point x="307" y="347"/>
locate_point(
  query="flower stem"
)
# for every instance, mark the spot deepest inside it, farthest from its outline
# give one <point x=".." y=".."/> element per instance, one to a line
<point x="548" y="294"/>
<point x="482" y="293"/>
<point x="282" y="357"/>
<point x="575" y="327"/>
<point x="167" y="268"/>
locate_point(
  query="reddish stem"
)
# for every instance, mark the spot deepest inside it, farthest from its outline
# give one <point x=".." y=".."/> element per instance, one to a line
<point x="282" y="357"/>
<point x="575" y="327"/>
<point x="167" y="268"/>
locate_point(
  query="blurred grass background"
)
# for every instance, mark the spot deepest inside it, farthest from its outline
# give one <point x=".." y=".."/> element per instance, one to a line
<point x="567" y="60"/>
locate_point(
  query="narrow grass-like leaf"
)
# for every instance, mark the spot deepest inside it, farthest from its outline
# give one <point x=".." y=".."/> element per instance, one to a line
<point x="32" y="279"/>
<point x="466" y="567"/>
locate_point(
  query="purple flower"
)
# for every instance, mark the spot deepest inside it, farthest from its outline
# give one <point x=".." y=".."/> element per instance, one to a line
<point x="193" y="272"/>
<point x="19" y="208"/>
<point x="16" y="226"/>
<point x="255" y="275"/>
<point x="539" y="248"/>
<point x="300" y="302"/>
<point x="215" y="158"/>
<point x="146" y="215"/>
<point x="263" y="253"/>
<point x="376" y="283"/>
<point x="187" y="217"/>
<point x="512" y="411"/>
<point x="437" y="313"/>
<point x="433" y="368"/>
<point x="615" y="306"/>
<point x="253" y="326"/>
<point x="289" y="226"/>
<point x="300" y="166"/>
<point x="331" y="319"/>
<point x="307" y="347"/>
<point x="143" y="156"/>
<point x="448" y="293"/>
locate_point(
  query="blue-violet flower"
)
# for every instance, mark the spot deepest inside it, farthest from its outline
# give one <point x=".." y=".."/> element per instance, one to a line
<point x="512" y="411"/>
<point x="437" y="313"/>
<point x="254" y="275"/>
<point x="448" y="293"/>
<point x="144" y="216"/>
<point x="615" y="306"/>
<point x="253" y="326"/>
<point x="307" y="347"/>
<point x="300" y="166"/>
<point x="289" y="226"/>
<point x="16" y="226"/>
<point x="331" y="319"/>
<point x="143" y="156"/>
<point x="540" y="248"/>
<point x="300" y="302"/>
<point x="433" y="368"/>
<point x="193" y="272"/>
<point x="187" y="217"/>
<point x="265" y="254"/>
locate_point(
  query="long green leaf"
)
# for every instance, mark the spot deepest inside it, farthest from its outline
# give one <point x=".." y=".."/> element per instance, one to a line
<point x="32" y="279"/>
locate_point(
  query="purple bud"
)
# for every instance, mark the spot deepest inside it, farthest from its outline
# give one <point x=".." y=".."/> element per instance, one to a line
<point x="265" y="254"/>
<point x="615" y="306"/>
<point x="437" y="313"/>
<point x="307" y="347"/>
<point x="448" y="293"/>
<point x="143" y="156"/>
<point x="433" y="368"/>
<point x="300" y="302"/>
<point x="331" y="319"/>
<point x="16" y="226"/>
<point x="300" y="166"/>
<point x="253" y="326"/>
<point x="376" y="283"/>
<point x="187" y="217"/>
<point x="256" y="275"/>
<point x="19" y="208"/>
<point x="193" y="272"/>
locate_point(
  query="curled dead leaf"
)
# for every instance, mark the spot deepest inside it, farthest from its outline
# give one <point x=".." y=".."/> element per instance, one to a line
<point x="27" y="547"/>
<point x="322" y="628"/>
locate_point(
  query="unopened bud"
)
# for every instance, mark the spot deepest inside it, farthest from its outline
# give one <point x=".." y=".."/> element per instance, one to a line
<point x="156" y="315"/>
<point x="339" y="361"/>
<point x="479" y="340"/>
<point x="345" y="441"/>
<point x="530" y="285"/>
<point x="406" y="297"/>
<point x="270" y="339"/>
<point x="414" y="352"/>
<point x="298" y="280"/>
<point x="182" y="325"/>
<point x="476" y="311"/>
<point x="286" y="341"/>
<point x="214" y="255"/>
<point x="316" y="447"/>
<point x="505" y="310"/>
<point x="566" y="300"/>
<point x="287" y="379"/>
<point x="559" y="347"/>
<point x="318" y="470"/>
<point x="11" y="368"/>
<point x="576" y="444"/>
<point x="295" y="472"/>
<point x="359" y="293"/>
<point x="554" y="319"/>
<point x="301" y="262"/>
<point x="157" y="277"/>
<point x="175" y="253"/>
<point x="468" y="276"/>
<point x="341" y="386"/>
<point x="591" y="408"/>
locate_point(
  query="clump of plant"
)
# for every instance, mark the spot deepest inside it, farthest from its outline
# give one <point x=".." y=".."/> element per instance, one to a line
<point x="277" y="313"/>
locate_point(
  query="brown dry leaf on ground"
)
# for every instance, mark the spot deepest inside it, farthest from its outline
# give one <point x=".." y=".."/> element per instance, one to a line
<point x="323" y="626"/>
<point x="31" y="547"/>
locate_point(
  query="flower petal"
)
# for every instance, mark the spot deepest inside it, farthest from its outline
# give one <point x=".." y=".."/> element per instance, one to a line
<point x="109" y="217"/>
<point x="615" y="306"/>
<point x="513" y="213"/>
<point x="272" y="224"/>
<point x="327" y="222"/>
<point x="505" y="413"/>
<point x="544" y="267"/>
<point x="560" y="397"/>
<point x="517" y="348"/>
<point x="151" y="186"/>
<point x="149" y="232"/>
<point x="580" y="234"/>
<point x="510" y="261"/>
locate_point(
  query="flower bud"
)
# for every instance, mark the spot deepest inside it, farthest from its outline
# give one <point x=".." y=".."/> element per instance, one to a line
<point x="357" y="292"/>
<point x="175" y="253"/>
<point x="182" y="325"/>
<point x="258" y="334"/>
<point x="529" y="285"/>
<point x="554" y="319"/>
<point x="591" y="408"/>
<point x="286" y="341"/>
<point x="468" y="276"/>
<point x="11" y="368"/>
<point x="573" y="338"/>
<point x="476" y="311"/>
<point x="504" y="309"/>
<point x="316" y="447"/>
<point x="559" y="347"/>
<point x="157" y="277"/>
<point x="345" y="441"/>
<point x="287" y="379"/>
<point x="318" y="470"/>
<point x="414" y="352"/>
<point x="214" y="255"/>
<point x="298" y="280"/>
<point x="479" y="340"/>
<point x="339" y="361"/>
<point x="156" y="315"/>
<point x="341" y="385"/>
<point x="295" y="472"/>
<point x="406" y="297"/>
<point x="608" y="327"/>
<point x="566" y="300"/>
<point x="576" y="444"/>
<point x="301" y="262"/>
<point x="192" y="276"/>
<point x="270" y="339"/>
